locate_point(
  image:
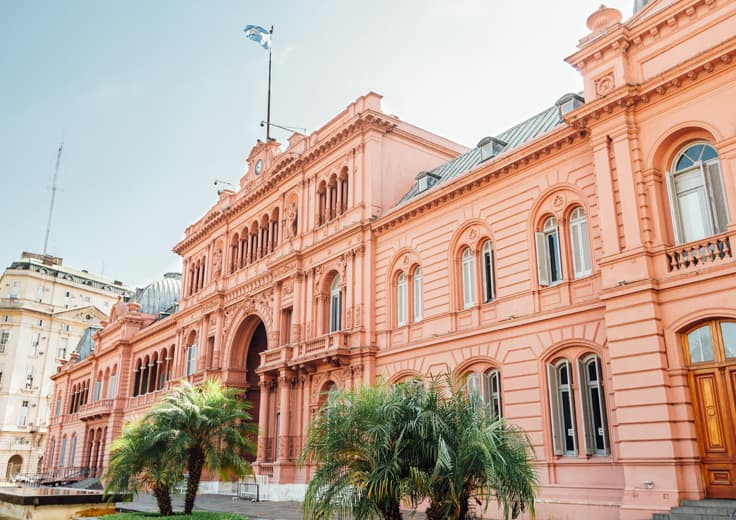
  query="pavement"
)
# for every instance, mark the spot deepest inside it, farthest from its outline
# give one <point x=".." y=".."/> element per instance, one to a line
<point x="264" y="510"/>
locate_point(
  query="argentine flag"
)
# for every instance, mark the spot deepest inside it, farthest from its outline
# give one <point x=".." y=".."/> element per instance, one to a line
<point x="259" y="35"/>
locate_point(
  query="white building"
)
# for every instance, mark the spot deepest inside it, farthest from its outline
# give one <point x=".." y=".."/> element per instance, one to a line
<point x="45" y="309"/>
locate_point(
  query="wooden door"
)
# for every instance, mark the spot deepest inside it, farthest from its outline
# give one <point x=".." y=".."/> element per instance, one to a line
<point x="712" y="353"/>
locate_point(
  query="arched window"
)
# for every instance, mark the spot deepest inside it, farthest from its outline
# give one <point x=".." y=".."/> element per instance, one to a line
<point x="112" y="390"/>
<point x="593" y="415"/>
<point x="321" y="203"/>
<point x="191" y="359"/>
<point x="418" y="300"/>
<point x="712" y="341"/>
<point x="549" y="265"/>
<point x="332" y="197"/>
<point x="468" y="278"/>
<point x="335" y="305"/>
<point x="488" y="387"/>
<point x="401" y="300"/>
<point x="579" y="243"/>
<point x="344" y="190"/>
<point x="489" y="285"/>
<point x="274" y="229"/>
<point x="234" y="249"/>
<point x="697" y="195"/>
<point x="62" y="452"/>
<point x="243" y="249"/>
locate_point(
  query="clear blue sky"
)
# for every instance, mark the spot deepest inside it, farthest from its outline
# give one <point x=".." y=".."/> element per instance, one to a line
<point x="157" y="99"/>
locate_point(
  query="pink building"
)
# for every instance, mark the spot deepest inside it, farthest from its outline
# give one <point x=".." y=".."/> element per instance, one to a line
<point x="577" y="269"/>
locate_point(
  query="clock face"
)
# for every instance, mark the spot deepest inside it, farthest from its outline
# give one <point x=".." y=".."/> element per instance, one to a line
<point x="259" y="166"/>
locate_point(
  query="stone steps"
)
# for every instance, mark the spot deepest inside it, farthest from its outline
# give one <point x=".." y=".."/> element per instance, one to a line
<point x="706" y="509"/>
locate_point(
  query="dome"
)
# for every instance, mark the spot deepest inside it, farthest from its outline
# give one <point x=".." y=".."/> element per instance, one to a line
<point x="160" y="296"/>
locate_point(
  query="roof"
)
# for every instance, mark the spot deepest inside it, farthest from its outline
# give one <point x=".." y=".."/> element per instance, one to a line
<point x="86" y="343"/>
<point x="160" y="296"/>
<point x="513" y="137"/>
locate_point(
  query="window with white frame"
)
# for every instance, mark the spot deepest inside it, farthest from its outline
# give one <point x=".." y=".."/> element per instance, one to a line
<point x="697" y="196"/>
<point x="335" y="305"/>
<point x="489" y="285"/>
<point x="111" y="390"/>
<point x="418" y="300"/>
<point x="579" y="244"/>
<point x="62" y="452"/>
<point x="4" y="338"/>
<point x="591" y="395"/>
<point x="61" y="350"/>
<point x="23" y="414"/>
<point x="467" y="263"/>
<point x="96" y="390"/>
<point x="401" y="300"/>
<point x="549" y="266"/>
<point x="35" y="340"/>
<point x="191" y="359"/>
<point x="14" y="289"/>
<point x="487" y="385"/>
<point x="73" y="450"/>
<point x="57" y="410"/>
<point x="29" y="378"/>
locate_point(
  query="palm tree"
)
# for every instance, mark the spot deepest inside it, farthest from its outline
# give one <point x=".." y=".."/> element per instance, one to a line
<point x="139" y="458"/>
<point x="472" y="457"/>
<point x="362" y="444"/>
<point x="211" y="425"/>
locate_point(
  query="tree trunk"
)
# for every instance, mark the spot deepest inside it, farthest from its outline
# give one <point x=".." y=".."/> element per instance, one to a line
<point x="195" y="465"/>
<point x="434" y="511"/>
<point x="392" y="512"/>
<point x="163" y="499"/>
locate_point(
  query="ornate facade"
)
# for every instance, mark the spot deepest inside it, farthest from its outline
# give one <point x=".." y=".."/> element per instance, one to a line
<point x="577" y="269"/>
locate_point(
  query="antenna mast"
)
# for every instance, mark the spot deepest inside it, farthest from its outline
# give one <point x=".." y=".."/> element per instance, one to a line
<point x="53" y="197"/>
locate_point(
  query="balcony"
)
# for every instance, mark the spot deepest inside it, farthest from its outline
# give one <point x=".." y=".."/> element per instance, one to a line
<point x="273" y="358"/>
<point x="95" y="409"/>
<point x="330" y="347"/>
<point x="694" y="255"/>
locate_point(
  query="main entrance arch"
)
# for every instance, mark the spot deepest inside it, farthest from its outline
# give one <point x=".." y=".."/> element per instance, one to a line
<point x="245" y="357"/>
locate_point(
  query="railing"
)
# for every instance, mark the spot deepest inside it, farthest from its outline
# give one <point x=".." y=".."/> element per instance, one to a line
<point x="54" y="476"/>
<point x="321" y="346"/>
<point x="95" y="409"/>
<point x="708" y="251"/>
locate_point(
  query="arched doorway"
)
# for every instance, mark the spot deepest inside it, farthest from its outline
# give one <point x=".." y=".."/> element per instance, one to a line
<point x="710" y="348"/>
<point x="250" y="340"/>
<point x="14" y="465"/>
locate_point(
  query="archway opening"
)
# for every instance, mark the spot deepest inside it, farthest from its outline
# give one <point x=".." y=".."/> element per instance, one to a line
<point x="14" y="465"/>
<point x="250" y="341"/>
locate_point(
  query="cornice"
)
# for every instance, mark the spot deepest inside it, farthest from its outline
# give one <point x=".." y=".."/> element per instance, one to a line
<point x="684" y="75"/>
<point x="640" y="31"/>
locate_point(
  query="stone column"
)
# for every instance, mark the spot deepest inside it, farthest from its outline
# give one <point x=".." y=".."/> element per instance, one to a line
<point x="264" y="383"/>
<point x="285" y="380"/>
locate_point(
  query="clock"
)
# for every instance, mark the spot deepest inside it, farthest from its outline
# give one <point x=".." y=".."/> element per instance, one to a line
<point x="259" y="166"/>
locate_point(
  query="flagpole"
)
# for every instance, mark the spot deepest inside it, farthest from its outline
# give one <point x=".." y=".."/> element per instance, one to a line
<point x="268" y="107"/>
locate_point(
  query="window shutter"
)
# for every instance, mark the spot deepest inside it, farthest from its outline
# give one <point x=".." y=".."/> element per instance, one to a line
<point x="554" y="415"/>
<point x="492" y="275"/>
<point x="542" y="259"/>
<point x="674" y="211"/>
<point x="585" y="404"/>
<point x="716" y="197"/>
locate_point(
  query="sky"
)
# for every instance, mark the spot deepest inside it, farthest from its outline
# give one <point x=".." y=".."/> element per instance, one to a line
<point x="155" y="100"/>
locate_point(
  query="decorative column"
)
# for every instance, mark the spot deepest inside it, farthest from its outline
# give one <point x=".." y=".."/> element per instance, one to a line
<point x="264" y="382"/>
<point x="286" y="377"/>
<point x="276" y="313"/>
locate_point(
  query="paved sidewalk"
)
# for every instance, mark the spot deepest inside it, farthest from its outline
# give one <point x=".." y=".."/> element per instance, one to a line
<point x="228" y="504"/>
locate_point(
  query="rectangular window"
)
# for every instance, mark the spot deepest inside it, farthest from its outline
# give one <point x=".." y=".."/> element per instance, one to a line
<point x="15" y="290"/>
<point x="489" y="289"/>
<point x="468" y="279"/>
<point x="562" y="408"/>
<point x="23" y="414"/>
<point x="594" y="407"/>
<point x="61" y="351"/>
<point x="29" y="379"/>
<point x="113" y="382"/>
<point x="579" y="244"/>
<point x="96" y="391"/>
<point x="418" y="297"/>
<point x="73" y="451"/>
<point x="35" y="340"/>
<point x="286" y="326"/>
<point x="401" y="300"/>
<point x="64" y="327"/>
<point x="191" y="359"/>
<point x="62" y="452"/>
<point x="4" y="338"/>
<point x="57" y="410"/>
